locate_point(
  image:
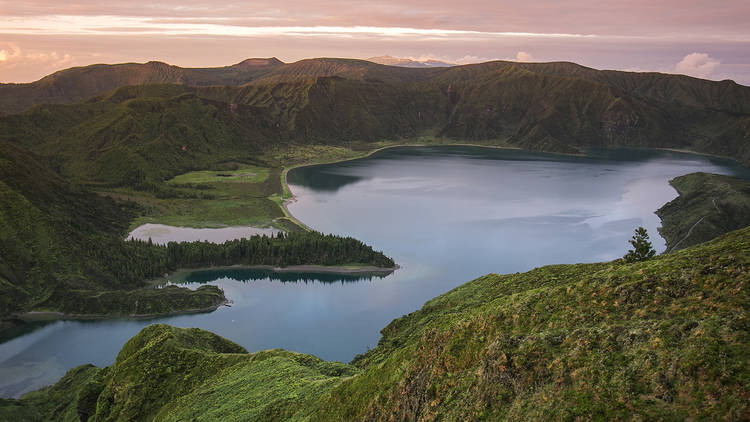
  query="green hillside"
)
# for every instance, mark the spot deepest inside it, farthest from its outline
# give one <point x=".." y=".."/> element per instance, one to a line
<point x="709" y="205"/>
<point x="191" y="375"/>
<point x="79" y="83"/>
<point x="558" y="107"/>
<point x="665" y="339"/>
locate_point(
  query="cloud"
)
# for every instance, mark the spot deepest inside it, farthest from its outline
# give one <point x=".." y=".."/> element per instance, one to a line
<point x="59" y="25"/>
<point x="429" y="57"/>
<point x="700" y="65"/>
<point x="637" y="18"/>
<point x="10" y="55"/>
<point x="468" y="59"/>
<point x="523" y="56"/>
<point x="19" y="65"/>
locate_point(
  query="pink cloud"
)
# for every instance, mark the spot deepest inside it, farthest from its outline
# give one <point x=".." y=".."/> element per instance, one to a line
<point x="19" y="65"/>
<point x="700" y="65"/>
<point x="523" y="56"/>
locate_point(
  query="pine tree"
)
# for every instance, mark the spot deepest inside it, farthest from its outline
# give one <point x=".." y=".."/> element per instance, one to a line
<point x="642" y="248"/>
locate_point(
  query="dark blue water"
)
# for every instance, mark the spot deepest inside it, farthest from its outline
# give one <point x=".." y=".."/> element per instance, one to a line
<point x="446" y="215"/>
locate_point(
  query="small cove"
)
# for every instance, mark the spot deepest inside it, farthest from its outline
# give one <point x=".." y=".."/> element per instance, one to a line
<point x="446" y="215"/>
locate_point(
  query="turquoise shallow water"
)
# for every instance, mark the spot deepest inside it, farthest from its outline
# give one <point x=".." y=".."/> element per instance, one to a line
<point x="445" y="214"/>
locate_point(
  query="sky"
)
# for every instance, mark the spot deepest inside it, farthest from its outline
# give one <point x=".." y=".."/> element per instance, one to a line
<point x="694" y="37"/>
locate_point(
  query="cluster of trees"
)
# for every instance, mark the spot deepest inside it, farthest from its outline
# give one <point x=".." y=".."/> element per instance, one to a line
<point x="281" y="250"/>
<point x="132" y="261"/>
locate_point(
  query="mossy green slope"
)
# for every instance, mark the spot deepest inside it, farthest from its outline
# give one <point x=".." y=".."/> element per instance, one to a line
<point x="172" y="374"/>
<point x="270" y="385"/>
<point x="140" y="134"/>
<point x="73" y="398"/>
<point x="665" y="339"/>
<point x="709" y="205"/>
<point x="61" y="248"/>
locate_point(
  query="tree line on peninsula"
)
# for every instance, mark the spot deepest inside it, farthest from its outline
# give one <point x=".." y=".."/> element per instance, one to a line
<point x="138" y="259"/>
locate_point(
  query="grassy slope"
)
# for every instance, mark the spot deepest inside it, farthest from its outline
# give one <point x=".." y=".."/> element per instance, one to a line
<point x="140" y="134"/>
<point x="51" y="234"/>
<point x="170" y="374"/>
<point x="667" y="338"/>
<point x="709" y="205"/>
<point x="202" y="199"/>
<point x="664" y="339"/>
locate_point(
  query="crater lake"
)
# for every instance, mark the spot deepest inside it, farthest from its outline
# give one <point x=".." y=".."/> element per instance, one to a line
<point x="446" y="215"/>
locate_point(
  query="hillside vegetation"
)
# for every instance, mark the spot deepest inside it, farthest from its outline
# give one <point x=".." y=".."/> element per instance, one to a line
<point x="557" y="107"/>
<point x="130" y="142"/>
<point x="62" y="250"/>
<point x="664" y="339"/>
<point x="709" y="205"/>
<point x="166" y="373"/>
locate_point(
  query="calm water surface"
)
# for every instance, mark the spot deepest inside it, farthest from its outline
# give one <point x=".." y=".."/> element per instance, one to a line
<point x="446" y="215"/>
<point x="163" y="234"/>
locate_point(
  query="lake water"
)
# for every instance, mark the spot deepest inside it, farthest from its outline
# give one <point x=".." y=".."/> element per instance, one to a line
<point x="163" y="234"/>
<point x="445" y="214"/>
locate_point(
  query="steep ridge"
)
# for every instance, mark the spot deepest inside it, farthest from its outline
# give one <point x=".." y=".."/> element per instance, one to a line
<point x="344" y="68"/>
<point x="556" y="107"/>
<point x="60" y="248"/>
<point x="539" y="105"/>
<point x="709" y="205"/>
<point x="665" y="339"/>
<point x="79" y="83"/>
<point x="140" y="133"/>
<point x="191" y="374"/>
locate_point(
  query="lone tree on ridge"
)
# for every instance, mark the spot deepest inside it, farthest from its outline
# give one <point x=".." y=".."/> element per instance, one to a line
<point x="642" y="248"/>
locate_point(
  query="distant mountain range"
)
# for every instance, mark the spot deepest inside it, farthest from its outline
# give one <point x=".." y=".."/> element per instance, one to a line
<point x="78" y="83"/>
<point x="397" y="61"/>
<point x="147" y="112"/>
